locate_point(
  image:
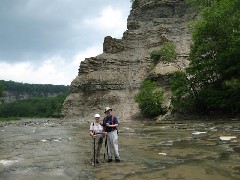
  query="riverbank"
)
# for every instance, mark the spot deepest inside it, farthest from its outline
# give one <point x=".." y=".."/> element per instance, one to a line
<point x="196" y="117"/>
<point x="76" y="121"/>
<point x="31" y="122"/>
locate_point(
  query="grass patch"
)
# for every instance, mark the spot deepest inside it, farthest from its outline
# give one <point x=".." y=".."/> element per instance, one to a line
<point x="10" y="118"/>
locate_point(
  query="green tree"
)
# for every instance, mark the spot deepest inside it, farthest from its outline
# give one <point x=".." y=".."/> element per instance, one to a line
<point x="214" y="70"/>
<point x="33" y="89"/>
<point x="1" y="89"/>
<point x="34" y="107"/>
<point x="150" y="99"/>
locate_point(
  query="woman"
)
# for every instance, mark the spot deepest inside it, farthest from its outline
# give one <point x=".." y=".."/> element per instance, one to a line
<point x="96" y="132"/>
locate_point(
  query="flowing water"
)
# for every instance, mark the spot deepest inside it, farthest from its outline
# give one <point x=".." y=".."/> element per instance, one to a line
<point x="168" y="150"/>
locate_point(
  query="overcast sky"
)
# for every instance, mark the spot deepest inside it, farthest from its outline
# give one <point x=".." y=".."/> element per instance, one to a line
<point x="44" y="41"/>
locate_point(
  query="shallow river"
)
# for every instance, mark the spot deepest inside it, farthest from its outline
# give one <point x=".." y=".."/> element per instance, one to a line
<point x="168" y="150"/>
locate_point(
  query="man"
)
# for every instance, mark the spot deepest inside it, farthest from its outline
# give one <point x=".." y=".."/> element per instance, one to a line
<point x="96" y="132"/>
<point x="110" y="124"/>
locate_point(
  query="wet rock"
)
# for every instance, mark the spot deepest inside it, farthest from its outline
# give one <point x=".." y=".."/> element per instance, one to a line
<point x="236" y="149"/>
<point x="227" y="138"/>
<point x="33" y="122"/>
<point x="198" y="133"/>
<point x="224" y="155"/>
<point x="5" y="162"/>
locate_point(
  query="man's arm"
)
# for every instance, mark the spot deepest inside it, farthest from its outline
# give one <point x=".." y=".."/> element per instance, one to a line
<point x="115" y="120"/>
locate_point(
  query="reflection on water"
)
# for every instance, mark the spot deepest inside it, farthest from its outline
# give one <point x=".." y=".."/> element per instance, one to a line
<point x="169" y="150"/>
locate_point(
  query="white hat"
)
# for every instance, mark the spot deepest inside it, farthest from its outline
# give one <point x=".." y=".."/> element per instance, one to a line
<point x="97" y="116"/>
<point x="107" y="109"/>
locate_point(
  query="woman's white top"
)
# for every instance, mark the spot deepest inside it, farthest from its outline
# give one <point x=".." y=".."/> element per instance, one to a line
<point x="96" y="127"/>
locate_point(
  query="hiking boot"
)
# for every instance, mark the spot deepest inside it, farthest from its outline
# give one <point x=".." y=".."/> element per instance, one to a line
<point x="109" y="160"/>
<point x="117" y="160"/>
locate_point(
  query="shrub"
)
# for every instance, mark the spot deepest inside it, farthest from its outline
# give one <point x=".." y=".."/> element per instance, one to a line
<point x="168" y="52"/>
<point x="1" y="90"/>
<point x="155" y="55"/>
<point x="150" y="99"/>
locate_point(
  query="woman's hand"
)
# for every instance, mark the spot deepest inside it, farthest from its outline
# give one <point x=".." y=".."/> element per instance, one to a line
<point x="92" y="134"/>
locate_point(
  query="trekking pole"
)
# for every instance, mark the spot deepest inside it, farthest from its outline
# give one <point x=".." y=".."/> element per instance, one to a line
<point x="105" y="148"/>
<point x="94" y="152"/>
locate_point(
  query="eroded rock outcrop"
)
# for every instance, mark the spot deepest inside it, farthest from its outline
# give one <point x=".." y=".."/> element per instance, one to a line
<point x="114" y="77"/>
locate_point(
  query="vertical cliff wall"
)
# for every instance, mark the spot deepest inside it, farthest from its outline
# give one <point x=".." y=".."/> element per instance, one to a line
<point x="114" y="77"/>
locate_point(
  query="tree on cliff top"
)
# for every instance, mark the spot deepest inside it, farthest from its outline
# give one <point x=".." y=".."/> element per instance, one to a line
<point x="1" y="90"/>
<point x="133" y="3"/>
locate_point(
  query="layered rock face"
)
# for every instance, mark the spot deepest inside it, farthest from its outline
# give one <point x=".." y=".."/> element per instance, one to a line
<point x="114" y="77"/>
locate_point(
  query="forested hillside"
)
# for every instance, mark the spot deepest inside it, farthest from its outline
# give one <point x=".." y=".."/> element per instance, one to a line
<point x="31" y="100"/>
<point x="33" y="89"/>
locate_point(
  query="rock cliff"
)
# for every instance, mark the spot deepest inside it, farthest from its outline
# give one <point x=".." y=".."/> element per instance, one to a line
<point x="114" y="77"/>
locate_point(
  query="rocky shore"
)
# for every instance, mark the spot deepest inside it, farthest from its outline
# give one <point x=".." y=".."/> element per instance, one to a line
<point x="32" y="122"/>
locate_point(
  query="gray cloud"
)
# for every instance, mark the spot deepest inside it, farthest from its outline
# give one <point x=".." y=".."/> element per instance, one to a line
<point x="33" y="29"/>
